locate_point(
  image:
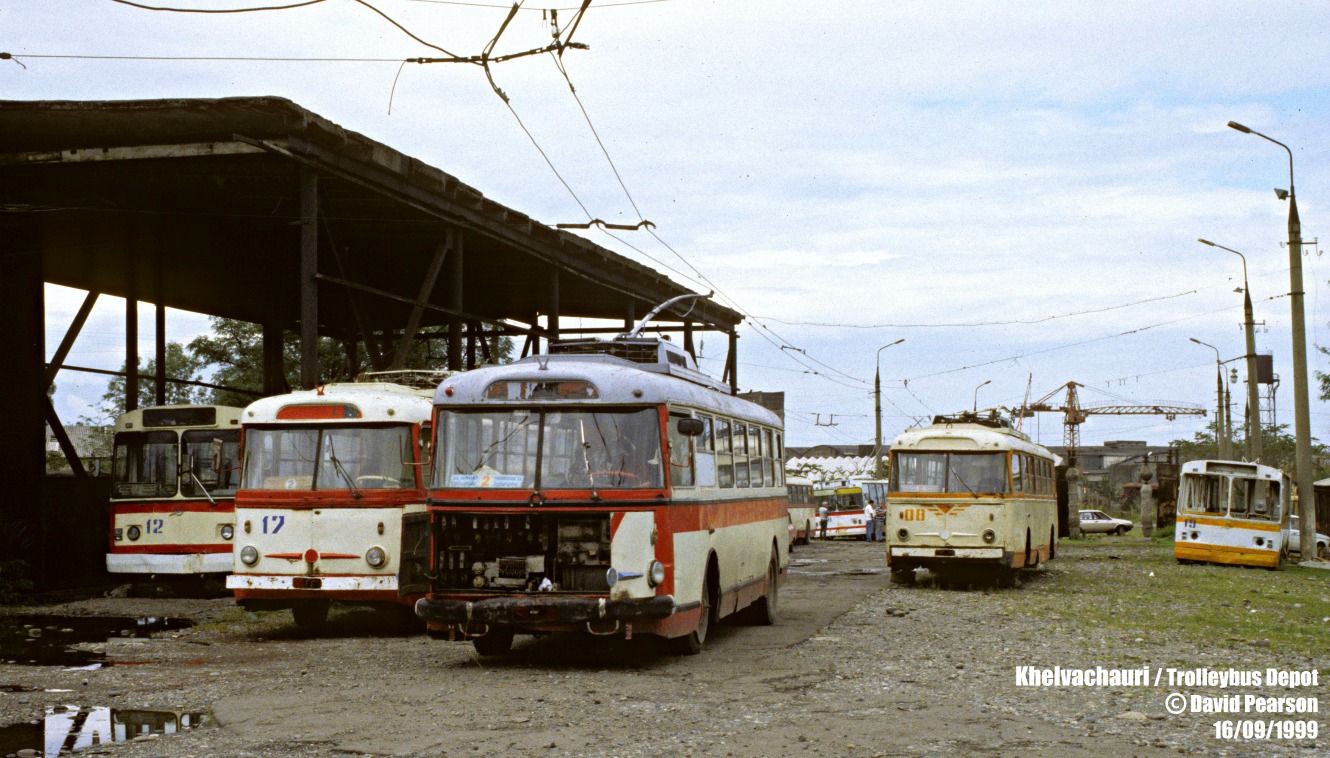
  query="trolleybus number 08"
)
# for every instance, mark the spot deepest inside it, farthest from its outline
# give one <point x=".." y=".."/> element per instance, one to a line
<point x="912" y="514"/>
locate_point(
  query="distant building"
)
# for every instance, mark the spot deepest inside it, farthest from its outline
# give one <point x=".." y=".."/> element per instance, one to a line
<point x="92" y="443"/>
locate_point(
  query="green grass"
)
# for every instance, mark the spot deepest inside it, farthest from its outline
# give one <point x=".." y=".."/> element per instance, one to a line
<point x="1134" y="585"/>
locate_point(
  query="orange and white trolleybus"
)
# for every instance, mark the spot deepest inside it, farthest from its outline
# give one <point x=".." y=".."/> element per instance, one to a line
<point x="1231" y="512"/>
<point x="173" y="482"/>
<point x="969" y="492"/>
<point x="328" y="474"/>
<point x="802" y="510"/>
<point x="609" y="488"/>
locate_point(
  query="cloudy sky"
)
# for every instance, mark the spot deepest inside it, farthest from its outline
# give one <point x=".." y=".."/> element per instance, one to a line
<point x="1015" y="189"/>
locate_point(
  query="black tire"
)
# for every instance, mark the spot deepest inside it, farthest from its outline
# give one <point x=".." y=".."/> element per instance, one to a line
<point x="764" y="611"/>
<point x="691" y="643"/>
<point x="1030" y="560"/>
<point x="1052" y="543"/>
<point x="310" y="613"/>
<point x="497" y="641"/>
<point x="1120" y="531"/>
<point x="903" y="577"/>
<point x="1321" y="552"/>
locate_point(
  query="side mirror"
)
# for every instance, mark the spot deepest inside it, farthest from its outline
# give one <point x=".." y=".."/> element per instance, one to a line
<point x="691" y="427"/>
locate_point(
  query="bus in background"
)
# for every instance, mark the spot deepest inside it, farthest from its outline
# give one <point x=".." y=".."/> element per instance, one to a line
<point x="844" y="502"/>
<point x="1232" y="512"/>
<point x="802" y="510"/>
<point x="608" y="488"/>
<point x="328" y="474"/>
<point x="173" y="480"/>
<point x="969" y="492"/>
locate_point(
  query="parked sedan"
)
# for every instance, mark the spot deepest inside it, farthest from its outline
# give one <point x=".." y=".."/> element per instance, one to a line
<point x="1098" y="522"/>
<point x="1293" y="538"/>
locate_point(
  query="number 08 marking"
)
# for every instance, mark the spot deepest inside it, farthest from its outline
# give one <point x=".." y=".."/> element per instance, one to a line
<point x="912" y="514"/>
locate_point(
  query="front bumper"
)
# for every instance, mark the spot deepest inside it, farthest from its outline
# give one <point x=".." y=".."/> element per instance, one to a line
<point x="157" y="563"/>
<point x="328" y="583"/>
<point x="527" y="609"/>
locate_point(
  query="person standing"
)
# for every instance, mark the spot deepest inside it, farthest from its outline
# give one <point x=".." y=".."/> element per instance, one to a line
<point x="870" y="522"/>
<point x="822" y="520"/>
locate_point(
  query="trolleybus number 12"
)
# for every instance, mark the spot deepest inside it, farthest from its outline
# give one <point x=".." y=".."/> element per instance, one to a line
<point x="275" y="522"/>
<point x="154" y="526"/>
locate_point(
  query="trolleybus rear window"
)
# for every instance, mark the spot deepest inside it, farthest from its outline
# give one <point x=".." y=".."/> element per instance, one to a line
<point x="953" y="472"/>
<point x="328" y="458"/>
<point x="549" y="449"/>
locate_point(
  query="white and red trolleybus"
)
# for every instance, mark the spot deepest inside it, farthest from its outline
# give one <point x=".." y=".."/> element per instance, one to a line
<point x="802" y="510"/>
<point x="328" y="474"/>
<point x="608" y="487"/>
<point x="173" y="480"/>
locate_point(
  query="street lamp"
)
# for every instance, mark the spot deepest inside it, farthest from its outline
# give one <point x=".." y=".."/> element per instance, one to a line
<point x="1301" y="402"/>
<point x="1255" y="449"/>
<point x="878" y="473"/>
<point x="1221" y="436"/>
<point x="976" y="395"/>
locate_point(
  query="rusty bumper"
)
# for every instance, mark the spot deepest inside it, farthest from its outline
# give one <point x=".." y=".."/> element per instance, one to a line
<point x="542" y="610"/>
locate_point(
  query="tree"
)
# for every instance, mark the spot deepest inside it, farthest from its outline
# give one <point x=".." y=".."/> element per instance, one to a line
<point x="1277" y="445"/>
<point x="179" y="365"/>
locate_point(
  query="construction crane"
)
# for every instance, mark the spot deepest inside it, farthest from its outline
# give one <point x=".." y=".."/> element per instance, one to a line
<point x="1075" y="414"/>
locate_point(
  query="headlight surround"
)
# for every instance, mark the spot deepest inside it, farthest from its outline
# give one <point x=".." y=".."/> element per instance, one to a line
<point x="228" y="531"/>
<point x="376" y="557"/>
<point x="656" y="574"/>
<point x="249" y="555"/>
<point x="133" y="533"/>
<point x="990" y="536"/>
<point x="903" y="534"/>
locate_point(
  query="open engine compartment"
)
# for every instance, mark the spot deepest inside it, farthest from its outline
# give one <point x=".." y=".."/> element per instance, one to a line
<point x="527" y="552"/>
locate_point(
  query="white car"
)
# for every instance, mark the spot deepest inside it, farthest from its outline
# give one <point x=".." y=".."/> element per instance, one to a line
<point x="1292" y="538"/>
<point x="1098" y="522"/>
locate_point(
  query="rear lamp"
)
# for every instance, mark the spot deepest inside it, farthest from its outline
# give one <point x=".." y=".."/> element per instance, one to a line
<point x="133" y="533"/>
<point x="376" y="557"/>
<point x="249" y="555"/>
<point x="990" y="536"/>
<point x="228" y="531"/>
<point x="903" y="535"/>
<point x="656" y="574"/>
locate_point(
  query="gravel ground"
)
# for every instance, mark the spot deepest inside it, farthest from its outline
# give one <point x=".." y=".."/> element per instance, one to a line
<point x="855" y="667"/>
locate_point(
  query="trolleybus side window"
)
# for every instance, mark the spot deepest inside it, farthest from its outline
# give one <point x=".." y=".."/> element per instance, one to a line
<point x="706" y="453"/>
<point x="145" y="464"/>
<point x="769" y="461"/>
<point x="740" y="454"/>
<point x="1017" y="484"/>
<point x="778" y="458"/>
<point x="211" y="460"/>
<point x="755" y="453"/>
<point x="681" y="454"/>
<point x="724" y="458"/>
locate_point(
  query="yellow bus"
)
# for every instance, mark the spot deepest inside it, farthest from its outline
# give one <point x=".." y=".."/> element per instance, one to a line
<point x="969" y="491"/>
<point x="1233" y="513"/>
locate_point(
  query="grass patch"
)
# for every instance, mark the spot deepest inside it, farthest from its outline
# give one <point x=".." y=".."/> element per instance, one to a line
<point x="1136" y="586"/>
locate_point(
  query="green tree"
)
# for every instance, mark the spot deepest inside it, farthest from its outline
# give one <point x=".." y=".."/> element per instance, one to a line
<point x="1279" y="449"/>
<point x="179" y="365"/>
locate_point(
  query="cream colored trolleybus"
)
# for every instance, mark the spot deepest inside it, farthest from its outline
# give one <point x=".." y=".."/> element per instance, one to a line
<point x="969" y="491"/>
<point x="1231" y="512"/>
<point x="802" y="510"/>
<point x="173" y="481"/>
<point x="328" y="475"/>
<point x="609" y="488"/>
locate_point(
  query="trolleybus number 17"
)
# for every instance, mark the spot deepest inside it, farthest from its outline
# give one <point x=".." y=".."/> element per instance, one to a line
<point x="912" y="514"/>
<point x="273" y="524"/>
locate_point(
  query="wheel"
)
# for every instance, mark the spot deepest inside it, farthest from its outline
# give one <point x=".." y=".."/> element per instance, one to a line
<point x="310" y="613"/>
<point x="1029" y="552"/>
<point x="763" y="612"/>
<point x="904" y="577"/>
<point x="1120" y="531"/>
<point x="497" y="641"/>
<point x="691" y="643"/>
<point x="1321" y="551"/>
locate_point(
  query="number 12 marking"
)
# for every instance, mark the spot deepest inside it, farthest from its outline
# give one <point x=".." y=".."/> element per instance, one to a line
<point x="275" y="522"/>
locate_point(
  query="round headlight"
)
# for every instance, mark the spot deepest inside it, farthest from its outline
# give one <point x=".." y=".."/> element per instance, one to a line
<point x="611" y="576"/>
<point x="228" y="531"/>
<point x="990" y="536"/>
<point x="656" y="574"/>
<point x="249" y="555"/>
<point x="133" y="533"/>
<point x="375" y="557"/>
<point x="903" y="535"/>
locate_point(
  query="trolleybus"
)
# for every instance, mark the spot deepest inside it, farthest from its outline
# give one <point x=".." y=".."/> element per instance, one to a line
<point x="328" y="474"/>
<point x="173" y="482"/>
<point x="609" y="488"/>
<point x="844" y="502"/>
<point x="1231" y="512"/>
<point x="969" y="491"/>
<point x="802" y="509"/>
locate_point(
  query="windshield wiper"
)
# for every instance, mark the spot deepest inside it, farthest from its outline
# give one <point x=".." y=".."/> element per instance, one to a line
<point x="586" y="460"/>
<point x="502" y="440"/>
<point x="965" y="484"/>
<point x="337" y="465"/>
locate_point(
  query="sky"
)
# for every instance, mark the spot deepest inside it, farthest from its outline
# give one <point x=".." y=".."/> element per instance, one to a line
<point x="1014" y="189"/>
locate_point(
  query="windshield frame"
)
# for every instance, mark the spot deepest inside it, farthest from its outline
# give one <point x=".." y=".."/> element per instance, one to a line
<point x="321" y="470"/>
<point x="953" y="481"/>
<point x="127" y="445"/>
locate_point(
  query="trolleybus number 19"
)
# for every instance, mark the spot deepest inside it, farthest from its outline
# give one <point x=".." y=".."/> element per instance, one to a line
<point x="912" y="514"/>
<point x="1189" y="523"/>
<point x="273" y="524"/>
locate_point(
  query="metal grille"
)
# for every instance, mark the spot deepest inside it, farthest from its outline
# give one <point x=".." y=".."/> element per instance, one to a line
<point x="512" y="568"/>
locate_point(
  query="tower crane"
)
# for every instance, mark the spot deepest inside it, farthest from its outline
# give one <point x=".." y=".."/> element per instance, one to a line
<point x="1075" y="414"/>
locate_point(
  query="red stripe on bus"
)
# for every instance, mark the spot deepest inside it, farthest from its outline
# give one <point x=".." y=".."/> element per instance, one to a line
<point x="172" y="506"/>
<point x="170" y="549"/>
<point x="306" y="500"/>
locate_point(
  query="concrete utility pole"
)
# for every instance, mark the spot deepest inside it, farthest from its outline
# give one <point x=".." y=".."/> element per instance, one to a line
<point x="879" y="470"/>
<point x="1221" y="430"/>
<point x="1254" y="447"/>
<point x="1301" y="401"/>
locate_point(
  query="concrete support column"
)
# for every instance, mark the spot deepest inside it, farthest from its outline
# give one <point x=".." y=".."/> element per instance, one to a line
<point x="309" y="267"/>
<point x="23" y="343"/>
<point x="159" y="329"/>
<point x="454" y="300"/>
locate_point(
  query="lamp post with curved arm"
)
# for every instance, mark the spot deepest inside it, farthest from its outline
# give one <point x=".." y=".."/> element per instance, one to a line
<point x="1221" y="437"/>
<point x="878" y="471"/>
<point x="1301" y="401"/>
<point x="1255" y="448"/>
<point x="976" y="395"/>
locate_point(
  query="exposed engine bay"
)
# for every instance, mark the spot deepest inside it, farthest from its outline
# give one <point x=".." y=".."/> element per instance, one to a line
<point x="535" y="552"/>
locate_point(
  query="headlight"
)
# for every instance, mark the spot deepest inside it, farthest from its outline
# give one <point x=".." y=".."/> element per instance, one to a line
<point x="249" y="555"/>
<point x="656" y="574"/>
<point x="375" y="557"/>
<point x="903" y="535"/>
<point x="228" y="531"/>
<point x="990" y="536"/>
<point x="133" y="533"/>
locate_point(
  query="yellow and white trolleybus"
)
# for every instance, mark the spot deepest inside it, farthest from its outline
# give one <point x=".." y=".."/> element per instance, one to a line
<point x="969" y="491"/>
<point x="1231" y="512"/>
<point x="328" y="475"/>
<point x="173" y="482"/>
<point x="609" y="488"/>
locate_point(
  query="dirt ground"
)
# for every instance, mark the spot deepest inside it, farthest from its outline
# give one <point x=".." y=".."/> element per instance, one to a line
<point x="855" y="667"/>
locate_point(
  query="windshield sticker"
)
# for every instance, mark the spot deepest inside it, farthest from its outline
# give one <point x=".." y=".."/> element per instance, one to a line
<point x="486" y="480"/>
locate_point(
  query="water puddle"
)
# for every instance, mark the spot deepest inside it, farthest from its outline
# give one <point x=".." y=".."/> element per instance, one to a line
<point x="69" y="728"/>
<point x="55" y="640"/>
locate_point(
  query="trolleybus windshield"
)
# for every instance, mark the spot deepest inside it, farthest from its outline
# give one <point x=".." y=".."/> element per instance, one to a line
<point x="952" y="472"/>
<point x="145" y="464"/>
<point x="212" y="459"/>
<point x="549" y="449"/>
<point x="328" y="458"/>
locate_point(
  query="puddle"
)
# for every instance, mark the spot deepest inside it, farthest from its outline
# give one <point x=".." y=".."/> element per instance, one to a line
<point x="69" y="729"/>
<point x="49" y="640"/>
<point x="840" y="572"/>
